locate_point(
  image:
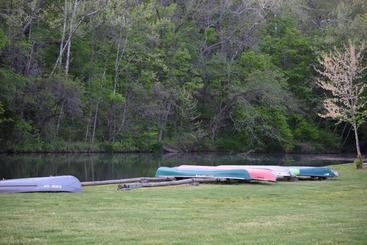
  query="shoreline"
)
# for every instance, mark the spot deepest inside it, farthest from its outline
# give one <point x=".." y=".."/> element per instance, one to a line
<point x="168" y="153"/>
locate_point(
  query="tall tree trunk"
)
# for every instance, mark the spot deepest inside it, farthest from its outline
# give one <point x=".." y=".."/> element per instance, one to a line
<point x="119" y="53"/>
<point x="111" y="122"/>
<point x="123" y="119"/>
<point x="163" y="122"/>
<point x="347" y="136"/>
<point x="95" y="122"/>
<point x="68" y="40"/>
<point x="71" y="28"/>
<point x="90" y="75"/>
<point x="87" y="127"/>
<point x="117" y="62"/>
<point x="97" y="108"/>
<point x="59" y="118"/>
<point x="29" y="61"/>
<point x="63" y="32"/>
<point x="359" y="155"/>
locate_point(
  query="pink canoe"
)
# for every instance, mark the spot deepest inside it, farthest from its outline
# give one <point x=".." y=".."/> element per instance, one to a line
<point x="255" y="174"/>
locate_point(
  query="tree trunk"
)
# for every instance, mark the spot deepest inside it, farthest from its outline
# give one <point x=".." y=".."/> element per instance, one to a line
<point x="29" y="61"/>
<point x="88" y="125"/>
<point x="97" y="107"/>
<point x="95" y="122"/>
<point x="117" y="63"/>
<point x="90" y="75"/>
<point x="111" y="122"/>
<point x="359" y="155"/>
<point x="69" y="40"/>
<point x="119" y="54"/>
<point x="63" y="31"/>
<point x="59" y="118"/>
<point x="163" y="122"/>
<point x="123" y="118"/>
<point x="71" y="28"/>
<point x="347" y="136"/>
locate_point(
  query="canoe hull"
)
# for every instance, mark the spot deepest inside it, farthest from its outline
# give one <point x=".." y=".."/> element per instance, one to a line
<point x="278" y="171"/>
<point x="294" y="171"/>
<point x="323" y="172"/>
<point x="66" y="183"/>
<point x="239" y="174"/>
<point x="281" y="172"/>
<point x="255" y="174"/>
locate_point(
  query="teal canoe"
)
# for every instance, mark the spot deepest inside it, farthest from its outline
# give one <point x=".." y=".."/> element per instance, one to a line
<point x="313" y="172"/>
<point x="240" y="174"/>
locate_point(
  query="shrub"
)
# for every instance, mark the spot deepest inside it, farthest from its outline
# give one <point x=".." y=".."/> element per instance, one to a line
<point x="359" y="162"/>
<point x="306" y="131"/>
<point x="232" y="143"/>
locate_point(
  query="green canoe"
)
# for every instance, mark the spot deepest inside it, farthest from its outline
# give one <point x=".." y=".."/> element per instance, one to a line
<point x="240" y="174"/>
<point x="313" y="172"/>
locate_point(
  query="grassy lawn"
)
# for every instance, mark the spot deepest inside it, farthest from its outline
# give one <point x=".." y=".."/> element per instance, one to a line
<point x="303" y="212"/>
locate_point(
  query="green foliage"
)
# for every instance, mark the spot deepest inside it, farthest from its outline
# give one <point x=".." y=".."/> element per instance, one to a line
<point x="312" y="138"/>
<point x="276" y="132"/>
<point x="10" y="83"/>
<point x="144" y="75"/>
<point x="3" y="39"/>
<point x="23" y="131"/>
<point x="292" y="52"/>
<point x="252" y="61"/>
<point x="285" y="132"/>
<point x="56" y="146"/>
<point x="235" y="142"/>
<point x="81" y="55"/>
<point x="182" y="58"/>
<point x="116" y="97"/>
<point x="306" y="131"/>
<point x="211" y="35"/>
<point x="2" y="110"/>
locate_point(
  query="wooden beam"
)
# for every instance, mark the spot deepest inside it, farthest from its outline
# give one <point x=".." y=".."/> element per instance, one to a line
<point x="131" y="180"/>
<point x="192" y="181"/>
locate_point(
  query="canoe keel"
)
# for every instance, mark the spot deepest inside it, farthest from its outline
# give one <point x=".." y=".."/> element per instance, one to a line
<point x="66" y="183"/>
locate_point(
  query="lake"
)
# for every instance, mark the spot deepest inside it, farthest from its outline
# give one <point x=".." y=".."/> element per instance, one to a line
<point x="89" y="167"/>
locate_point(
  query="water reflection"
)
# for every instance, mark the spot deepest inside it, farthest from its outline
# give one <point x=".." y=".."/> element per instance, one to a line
<point x="113" y="166"/>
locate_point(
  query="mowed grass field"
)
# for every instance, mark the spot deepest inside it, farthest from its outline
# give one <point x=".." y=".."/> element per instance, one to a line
<point x="301" y="212"/>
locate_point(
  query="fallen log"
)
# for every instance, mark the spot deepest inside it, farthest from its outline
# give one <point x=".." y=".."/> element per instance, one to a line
<point x="170" y="149"/>
<point x="130" y="180"/>
<point x="192" y="181"/>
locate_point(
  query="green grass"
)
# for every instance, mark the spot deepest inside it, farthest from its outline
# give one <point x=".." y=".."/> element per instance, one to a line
<point x="302" y="212"/>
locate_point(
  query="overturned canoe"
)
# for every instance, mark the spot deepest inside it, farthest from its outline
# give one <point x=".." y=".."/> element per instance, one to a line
<point x="279" y="171"/>
<point x="255" y="174"/>
<point x="66" y="183"/>
<point x="258" y="172"/>
<point x="294" y="171"/>
<point x="323" y="172"/>
<point x="240" y="174"/>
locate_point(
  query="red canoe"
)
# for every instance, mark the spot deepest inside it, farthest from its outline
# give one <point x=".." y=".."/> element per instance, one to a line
<point x="255" y="174"/>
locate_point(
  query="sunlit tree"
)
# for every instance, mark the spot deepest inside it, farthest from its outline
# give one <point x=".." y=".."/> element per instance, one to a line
<point x="342" y="79"/>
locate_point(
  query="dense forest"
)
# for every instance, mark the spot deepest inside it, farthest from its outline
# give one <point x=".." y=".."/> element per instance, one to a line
<point x="179" y="75"/>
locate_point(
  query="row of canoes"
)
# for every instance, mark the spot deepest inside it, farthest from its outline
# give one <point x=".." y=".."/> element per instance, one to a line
<point x="247" y="172"/>
<point x="69" y="183"/>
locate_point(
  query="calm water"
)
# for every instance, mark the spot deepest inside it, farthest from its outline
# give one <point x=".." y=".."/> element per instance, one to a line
<point x="114" y="166"/>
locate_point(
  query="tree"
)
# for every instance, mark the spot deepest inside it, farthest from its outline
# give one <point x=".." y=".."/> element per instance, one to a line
<point x="291" y="51"/>
<point x="342" y="73"/>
